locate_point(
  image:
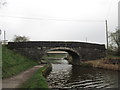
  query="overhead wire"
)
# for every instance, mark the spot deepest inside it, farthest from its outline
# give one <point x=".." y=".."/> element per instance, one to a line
<point x="57" y="19"/>
<point x="53" y="19"/>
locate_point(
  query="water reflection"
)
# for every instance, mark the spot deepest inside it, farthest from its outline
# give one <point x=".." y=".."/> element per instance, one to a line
<point x="68" y="76"/>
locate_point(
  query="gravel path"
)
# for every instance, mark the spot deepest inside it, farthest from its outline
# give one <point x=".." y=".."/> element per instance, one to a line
<point x="17" y="80"/>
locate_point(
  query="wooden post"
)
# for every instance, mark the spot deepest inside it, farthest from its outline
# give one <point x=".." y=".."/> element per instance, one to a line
<point x="106" y="33"/>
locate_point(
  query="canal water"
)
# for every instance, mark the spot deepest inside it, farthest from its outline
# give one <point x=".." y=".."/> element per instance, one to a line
<point x="64" y="75"/>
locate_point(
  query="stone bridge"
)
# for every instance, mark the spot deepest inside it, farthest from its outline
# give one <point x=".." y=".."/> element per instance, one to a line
<point x="78" y="50"/>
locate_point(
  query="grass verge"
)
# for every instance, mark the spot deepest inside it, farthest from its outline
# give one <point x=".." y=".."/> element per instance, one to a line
<point x="14" y="63"/>
<point x="110" y="63"/>
<point x="37" y="80"/>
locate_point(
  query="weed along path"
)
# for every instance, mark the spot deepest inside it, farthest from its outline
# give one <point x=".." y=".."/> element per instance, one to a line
<point x="16" y="81"/>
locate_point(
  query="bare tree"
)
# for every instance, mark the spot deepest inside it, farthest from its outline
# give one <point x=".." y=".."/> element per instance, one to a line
<point x="114" y="43"/>
<point x="18" y="38"/>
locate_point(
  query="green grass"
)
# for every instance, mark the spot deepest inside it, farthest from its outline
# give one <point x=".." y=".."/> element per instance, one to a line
<point x="52" y="56"/>
<point x="37" y="80"/>
<point x="14" y="63"/>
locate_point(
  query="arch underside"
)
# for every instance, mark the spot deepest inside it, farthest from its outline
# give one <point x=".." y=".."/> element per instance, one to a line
<point x="71" y="52"/>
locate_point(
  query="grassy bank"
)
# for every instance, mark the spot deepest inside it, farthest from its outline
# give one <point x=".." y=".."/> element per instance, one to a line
<point x="14" y="63"/>
<point x="109" y="62"/>
<point x="37" y="80"/>
<point x="51" y="58"/>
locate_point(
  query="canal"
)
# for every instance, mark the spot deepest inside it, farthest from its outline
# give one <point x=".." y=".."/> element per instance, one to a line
<point x="64" y="75"/>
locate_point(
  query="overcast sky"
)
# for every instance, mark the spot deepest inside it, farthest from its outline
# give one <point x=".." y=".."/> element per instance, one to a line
<point x="66" y="20"/>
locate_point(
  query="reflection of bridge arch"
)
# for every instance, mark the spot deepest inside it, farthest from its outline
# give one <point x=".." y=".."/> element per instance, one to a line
<point x="75" y="55"/>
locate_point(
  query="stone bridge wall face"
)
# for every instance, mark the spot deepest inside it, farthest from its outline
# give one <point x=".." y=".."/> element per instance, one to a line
<point x="36" y="49"/>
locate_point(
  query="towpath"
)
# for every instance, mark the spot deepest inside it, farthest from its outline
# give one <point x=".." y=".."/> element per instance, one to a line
<point x="16" y="81"/>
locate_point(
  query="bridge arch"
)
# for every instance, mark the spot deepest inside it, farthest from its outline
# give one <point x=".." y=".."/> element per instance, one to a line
<point x="75" y="55"/>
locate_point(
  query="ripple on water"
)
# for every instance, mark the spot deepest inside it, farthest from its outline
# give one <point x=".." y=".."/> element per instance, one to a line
<point x="66" y="76"/>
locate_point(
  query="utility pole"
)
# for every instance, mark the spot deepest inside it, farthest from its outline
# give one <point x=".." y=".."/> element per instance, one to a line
<point x="0" y="35"/>
<point x="119" y="27"/>
<point x="4" y="37"/>
<point x="106" y="33"/>
<point x="86" y="39"/>
<point x="0" y="31"/>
